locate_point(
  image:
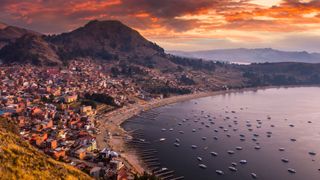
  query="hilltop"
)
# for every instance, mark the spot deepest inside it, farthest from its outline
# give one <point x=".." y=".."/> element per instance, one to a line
<point x="20" y="160"/>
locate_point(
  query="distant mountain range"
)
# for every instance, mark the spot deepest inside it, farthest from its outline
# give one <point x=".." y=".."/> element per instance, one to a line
<point x="243" y="55"/>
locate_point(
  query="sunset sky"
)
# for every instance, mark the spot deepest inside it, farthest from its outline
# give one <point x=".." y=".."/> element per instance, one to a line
<point x="183" y="24"/>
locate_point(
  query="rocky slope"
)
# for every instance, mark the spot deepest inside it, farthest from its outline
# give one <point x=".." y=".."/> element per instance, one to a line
<point x="19" y="160"/>
<point x="30" y="49"/>
<point x="9" y="34"/>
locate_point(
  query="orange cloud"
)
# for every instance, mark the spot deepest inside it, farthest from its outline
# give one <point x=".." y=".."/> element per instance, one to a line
<point x="169" y="18"/>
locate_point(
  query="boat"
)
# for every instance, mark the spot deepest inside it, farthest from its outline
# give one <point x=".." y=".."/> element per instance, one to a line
<point x="214" y="154"/>
<point x="193" y="130"/>
<point x="177" y="140"/>
<point x="194" y="147"/>
<point x="284" y="160"/>
<point x="243" y="161"/>
<point x="234" y="164"/>
<point x="239" y="148"/>
<point x="312" y="153"/>
<point x="291" y="170"/>
<point x="162" y="139"/>
<point x="231" y="168"/>
<point x="181" y="132"/>
<point x="254" y="175"/>
<point x="163" y="129"/>
<point x="176" y="144"/>
<point x="199" y="158"/>
<point x="219" y="172"/>
<point x="171" y="129"/>
<point x="257" y="147"/>
<point x="204" y="138"/>
<point x="202" y="166"/>
<point x="281" y="149"/>
<point x="215" y="138"/>
<point x="230" y="152"/>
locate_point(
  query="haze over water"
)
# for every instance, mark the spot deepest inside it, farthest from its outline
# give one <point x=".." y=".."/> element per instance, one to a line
<point x="293" y="113"/>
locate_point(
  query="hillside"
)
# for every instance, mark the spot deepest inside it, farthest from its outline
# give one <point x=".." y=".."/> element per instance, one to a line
<point x="20" y="160"/>
<point x="104" y="40"/>
<point x="30" y="49"/>
<point x="243" y="55"/>
<point x="9" y="34"/>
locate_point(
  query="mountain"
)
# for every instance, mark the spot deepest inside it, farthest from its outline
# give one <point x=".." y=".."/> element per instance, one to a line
<point x="20" y="160"/>
<point x="30" y="49"/>
<point x="243" y="55"/>
<point x="9" y="34"/>
<point x="105" y="40"/>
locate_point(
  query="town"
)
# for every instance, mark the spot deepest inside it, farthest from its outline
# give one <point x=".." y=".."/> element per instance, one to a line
<point x="56" y="109"/>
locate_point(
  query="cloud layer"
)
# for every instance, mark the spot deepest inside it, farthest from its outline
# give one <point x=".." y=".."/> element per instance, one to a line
<point x="180" y="24"/>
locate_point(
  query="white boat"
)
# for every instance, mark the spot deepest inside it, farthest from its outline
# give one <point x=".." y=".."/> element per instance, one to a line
<point x="254" y="175"/>
<point x="230" y="152"/>
<point x="291" y="170"/>
<point x="176" y="144"/>
<point x="214" y="154"/>
<point x="162" y="139"/>
<point x="194" y="146"/>
<point x="257" y="147"/>
<point x="199" y="158"/>
<point x="238" y="148"/>
<point x="202" y="166"/>
<point x="219" y="172"/>
<point x="231" y="168"/>
<point x="284" y="160"/>
<point x="243" y="161"/>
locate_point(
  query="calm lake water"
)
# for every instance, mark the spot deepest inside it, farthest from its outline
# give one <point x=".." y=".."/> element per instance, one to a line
<point x="282" y="114"/>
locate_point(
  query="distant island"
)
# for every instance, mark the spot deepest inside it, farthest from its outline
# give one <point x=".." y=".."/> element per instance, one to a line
<point x="246" y="56"/>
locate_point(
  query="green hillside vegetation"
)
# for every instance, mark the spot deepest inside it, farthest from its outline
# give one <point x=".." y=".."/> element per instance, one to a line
<point x="20" y="160"/>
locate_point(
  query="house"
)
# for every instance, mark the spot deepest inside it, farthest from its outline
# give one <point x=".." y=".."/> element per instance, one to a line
<point x="80" y="153"/>
<point x="86" y="110"/>
<point x="70" y="98"/>
<point x="59" y="153"/>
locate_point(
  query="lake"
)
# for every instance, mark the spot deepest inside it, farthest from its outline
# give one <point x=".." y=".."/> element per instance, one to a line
<point x="274" y="130"/>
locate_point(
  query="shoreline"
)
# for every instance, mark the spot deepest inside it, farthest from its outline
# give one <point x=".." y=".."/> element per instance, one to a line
<point x="113" y="120"/>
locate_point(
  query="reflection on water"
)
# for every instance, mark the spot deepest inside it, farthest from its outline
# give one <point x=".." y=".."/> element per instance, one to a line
<point x="276" y="131"/>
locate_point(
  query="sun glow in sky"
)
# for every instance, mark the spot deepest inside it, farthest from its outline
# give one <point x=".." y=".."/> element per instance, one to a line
<point x="183" y="24"/>
<point x="268" y="3"/>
